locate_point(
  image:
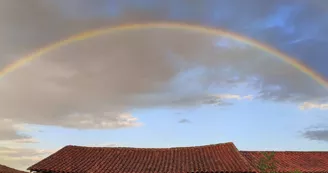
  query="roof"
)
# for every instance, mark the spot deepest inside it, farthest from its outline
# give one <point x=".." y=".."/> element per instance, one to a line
<point x="209" y="158"/>
<point x="5" y="169"/>
<point x="287" y="161"/>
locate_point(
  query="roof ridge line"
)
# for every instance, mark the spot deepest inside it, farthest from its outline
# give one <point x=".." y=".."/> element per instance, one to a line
<point x="243" y="159"/>
<point x="278" y="151"/>
<point x="150" y="148"/>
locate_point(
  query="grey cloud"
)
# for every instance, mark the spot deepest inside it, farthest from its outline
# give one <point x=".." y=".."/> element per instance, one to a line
<point x="183" y="121"/>
<point x="9" y="132"/>
<point x="196" y="100"/>
<point x="317" y="132"/>
<point x="21" y="23"/>
<point x="212" y="101"/>
<point x="319" y="135"/>
<point x="92" y="83"/>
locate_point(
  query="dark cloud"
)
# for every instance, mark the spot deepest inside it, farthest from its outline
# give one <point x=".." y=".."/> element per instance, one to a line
<point x="141" y="69"/>
<point x="74" y="85"/>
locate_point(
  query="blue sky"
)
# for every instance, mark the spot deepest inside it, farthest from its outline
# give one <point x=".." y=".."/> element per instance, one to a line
<point x="252" y="126"/>
<point x="161" y="88"/>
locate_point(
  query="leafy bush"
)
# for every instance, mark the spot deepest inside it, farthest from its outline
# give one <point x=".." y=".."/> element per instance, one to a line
<point x="267" y="164"/>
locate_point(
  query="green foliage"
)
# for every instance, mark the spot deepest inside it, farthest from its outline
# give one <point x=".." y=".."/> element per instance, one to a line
<point x="296" y="171"/>
<point x="267" y="164"/>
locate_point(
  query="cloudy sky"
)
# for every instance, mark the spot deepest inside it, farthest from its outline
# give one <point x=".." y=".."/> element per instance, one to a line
<point x="155" y="87"/>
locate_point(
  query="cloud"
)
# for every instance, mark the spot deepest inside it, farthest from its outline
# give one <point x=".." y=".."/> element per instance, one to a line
<point x="141" y="69"/>
<point x="9" y="131"/>
<point x="106" y="145"/>
<point x="318" y="132"/>
<point x="309" y="105"/>
<point x="220" y="99"/>
<point x="320" y="135"/>
<point x="105" y="120"/>
<point x="183" y="121"/>
<point x="97" y="83"/>
<point x="21" y="158"/>
<point x="235" y="96"/>
<point x="26" y="140"/>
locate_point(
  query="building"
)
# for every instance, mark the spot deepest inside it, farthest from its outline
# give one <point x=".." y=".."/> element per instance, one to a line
<point x="210" y="158"/>
<point x="287" y="161"/>
<point x="5" y="169"/>
<point x="202" y="159"/>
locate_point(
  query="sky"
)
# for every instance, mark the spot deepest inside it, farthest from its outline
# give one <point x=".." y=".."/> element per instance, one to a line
<point x="156" y="87"/>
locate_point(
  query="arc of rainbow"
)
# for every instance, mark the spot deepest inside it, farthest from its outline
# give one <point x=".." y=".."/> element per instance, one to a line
<point x="217" y="32"/>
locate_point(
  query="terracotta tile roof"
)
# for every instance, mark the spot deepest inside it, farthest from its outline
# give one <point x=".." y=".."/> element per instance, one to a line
<point x="286" y="161"/>
<point x="5" y="169"/>
<point x="210" y="158"/>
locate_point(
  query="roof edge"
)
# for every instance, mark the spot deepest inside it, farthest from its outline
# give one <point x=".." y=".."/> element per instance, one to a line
<point x="150" y="148"/>
<point x="243" y="159"/>
<point x="277" y="151"/>
<point x="12" y="169"/>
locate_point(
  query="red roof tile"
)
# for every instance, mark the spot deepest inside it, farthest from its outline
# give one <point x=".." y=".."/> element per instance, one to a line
<point x="286" y="161"/>
<point x="5" y="169"/>
<point x="210" y="158"/>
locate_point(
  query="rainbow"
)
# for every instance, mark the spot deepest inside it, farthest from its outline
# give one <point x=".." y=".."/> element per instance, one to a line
<point x="217" y="32"/>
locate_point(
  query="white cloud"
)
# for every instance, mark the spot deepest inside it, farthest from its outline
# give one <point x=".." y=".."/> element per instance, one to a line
<point x="235" y="96"/>
<point x="310" y="105"/>
<point x="22" y="158"/>
<point x="106" y="145"/>
<point x="26" y="140"/>
<point x="106" y="120"/>
<point x="11" y="131"/>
